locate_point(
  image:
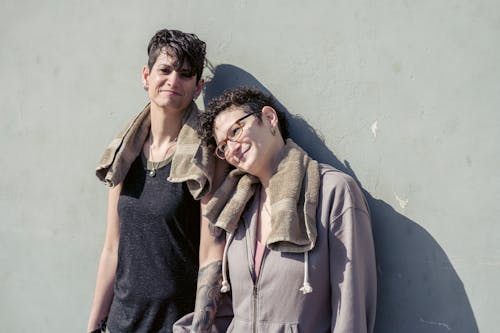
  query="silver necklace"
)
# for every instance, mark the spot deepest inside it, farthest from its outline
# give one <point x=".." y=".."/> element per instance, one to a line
<point x="155" y="165"/>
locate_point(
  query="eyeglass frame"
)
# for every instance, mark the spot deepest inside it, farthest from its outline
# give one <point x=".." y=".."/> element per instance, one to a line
<point x="237" y="122"/>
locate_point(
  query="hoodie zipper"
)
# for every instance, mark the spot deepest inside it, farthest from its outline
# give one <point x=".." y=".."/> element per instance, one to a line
<point x="256" y="291"/>
<point x="254" y="327"/>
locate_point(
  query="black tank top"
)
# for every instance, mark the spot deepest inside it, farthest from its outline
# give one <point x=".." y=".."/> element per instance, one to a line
<point x="158" y="252"/>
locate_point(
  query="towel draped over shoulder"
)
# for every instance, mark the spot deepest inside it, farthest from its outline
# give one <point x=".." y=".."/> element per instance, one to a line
<point x="294" y="187"/>
<point x="191" y="163"/>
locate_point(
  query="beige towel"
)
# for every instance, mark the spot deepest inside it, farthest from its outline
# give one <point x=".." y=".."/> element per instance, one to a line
<point x="191" y="163"/>
<point x="124" y="149"/>
<point x="293" y="191"/>
<point x="294" y="187"/>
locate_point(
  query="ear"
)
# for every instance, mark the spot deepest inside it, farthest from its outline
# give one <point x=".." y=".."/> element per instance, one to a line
<point x="145" y="77"/>
<point x="198" y="89"/>
<point x="270" y="115"/>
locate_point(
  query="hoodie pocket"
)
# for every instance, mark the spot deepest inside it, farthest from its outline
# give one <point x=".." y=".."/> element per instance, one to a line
<point x="238" y="325"/>
<point x="243" y="326"/>
<point x="278" y="327"/>
<point x="268" y="327"/>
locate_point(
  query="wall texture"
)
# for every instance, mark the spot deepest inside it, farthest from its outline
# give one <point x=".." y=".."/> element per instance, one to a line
<point x="403" y="95"/>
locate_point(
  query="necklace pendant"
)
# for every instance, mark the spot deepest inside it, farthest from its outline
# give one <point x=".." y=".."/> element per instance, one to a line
<point x="152" y="173"/>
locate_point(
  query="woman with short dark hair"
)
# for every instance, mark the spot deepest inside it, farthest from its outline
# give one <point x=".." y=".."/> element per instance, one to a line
<point x="149" y="263"/>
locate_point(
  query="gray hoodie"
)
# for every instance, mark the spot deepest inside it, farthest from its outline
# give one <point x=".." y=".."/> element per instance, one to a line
<point x="340" y="269"/>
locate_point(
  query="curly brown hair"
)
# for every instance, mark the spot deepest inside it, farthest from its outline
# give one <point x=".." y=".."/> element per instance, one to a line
<point x="185" y="47"/>
<point x="251" y="99"/>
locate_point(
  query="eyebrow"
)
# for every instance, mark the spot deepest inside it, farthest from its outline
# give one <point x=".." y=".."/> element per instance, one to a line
<point x="164" y="64"/>
<point x="224" y="133"/>
<point x="239" y="119"/>
<point x="184" y="67"/>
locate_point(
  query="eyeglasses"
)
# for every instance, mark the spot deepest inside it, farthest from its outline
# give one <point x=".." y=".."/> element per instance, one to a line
<point x="233" y="134"/>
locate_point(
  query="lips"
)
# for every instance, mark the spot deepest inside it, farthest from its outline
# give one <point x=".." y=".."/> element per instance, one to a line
<point x="171" y="92"/>
<point x="237" y="153"/>
<point x="242" y="152"/>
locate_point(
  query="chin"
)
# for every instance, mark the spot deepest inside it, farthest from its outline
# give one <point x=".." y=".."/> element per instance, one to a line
<point x="248" y="162"/>
<point x="245" y="167"/>
<point x="241" y="166"/>
<point x="173" y="106"/>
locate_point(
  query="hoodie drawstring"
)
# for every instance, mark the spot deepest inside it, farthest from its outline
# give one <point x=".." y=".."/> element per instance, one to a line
<point x="225" y="284"/>
<point x="306" y="287"/>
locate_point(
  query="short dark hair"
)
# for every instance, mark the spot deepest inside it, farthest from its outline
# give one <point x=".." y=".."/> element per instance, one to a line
<point x="253" y="100"/>
<point x="185" y="47"/>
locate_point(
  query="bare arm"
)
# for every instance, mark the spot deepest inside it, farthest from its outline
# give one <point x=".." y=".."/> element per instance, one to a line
<point x="212" y="241"/>
<point x="207" y="296"/>
<point x="103" y="294"/>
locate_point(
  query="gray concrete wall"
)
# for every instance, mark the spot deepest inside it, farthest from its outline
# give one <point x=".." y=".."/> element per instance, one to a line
<point x="403" y="95"/>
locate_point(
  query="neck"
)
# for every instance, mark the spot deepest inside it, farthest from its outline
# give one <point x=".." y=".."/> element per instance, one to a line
<point x="165" y="126"/>
<point x="270" y="169"/>
<point x="264" y="178"/>
<point x="264" y="191"/>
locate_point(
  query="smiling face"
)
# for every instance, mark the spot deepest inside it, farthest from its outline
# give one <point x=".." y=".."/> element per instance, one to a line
<point x="256" y="148"/>
<point x="170" y="87"/>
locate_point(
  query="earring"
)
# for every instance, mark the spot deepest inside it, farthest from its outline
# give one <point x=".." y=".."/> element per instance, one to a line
<point x="146" y="87"/>
<point x="273" y="131"/>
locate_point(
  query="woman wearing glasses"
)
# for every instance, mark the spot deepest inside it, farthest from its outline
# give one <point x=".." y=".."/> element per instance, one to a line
<point x="299" y="252"/>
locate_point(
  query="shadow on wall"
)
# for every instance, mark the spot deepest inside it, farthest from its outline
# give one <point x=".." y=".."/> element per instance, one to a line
<point x="418" y="288"/>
